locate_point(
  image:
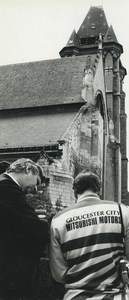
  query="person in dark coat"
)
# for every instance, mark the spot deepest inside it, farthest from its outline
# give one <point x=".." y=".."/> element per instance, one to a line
<point x="23" y="236"/>
<point x="3" y="166"/>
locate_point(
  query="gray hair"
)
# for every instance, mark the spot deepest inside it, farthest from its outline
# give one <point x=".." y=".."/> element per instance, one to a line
<point x="22" y="165"/>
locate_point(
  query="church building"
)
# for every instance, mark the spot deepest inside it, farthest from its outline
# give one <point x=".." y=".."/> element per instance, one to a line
<point x="69" y="113"/>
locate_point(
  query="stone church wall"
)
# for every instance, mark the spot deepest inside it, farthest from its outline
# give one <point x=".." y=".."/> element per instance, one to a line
<point x="82" y="149"/>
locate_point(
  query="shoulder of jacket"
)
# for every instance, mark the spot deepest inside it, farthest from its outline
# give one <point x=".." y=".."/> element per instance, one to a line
<point x="6" y="182"/>
<point x="4" y="178"/>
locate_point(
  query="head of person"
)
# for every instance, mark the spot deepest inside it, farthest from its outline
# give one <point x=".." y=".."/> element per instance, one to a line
<point x="4" y="166"/>
<point x="87" y="181"/>
<point x="27" y="173"/>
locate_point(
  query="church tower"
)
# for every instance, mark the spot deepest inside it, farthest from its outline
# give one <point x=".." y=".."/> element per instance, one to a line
<point x="94" y="35"/>
<point x="79" y="98"/>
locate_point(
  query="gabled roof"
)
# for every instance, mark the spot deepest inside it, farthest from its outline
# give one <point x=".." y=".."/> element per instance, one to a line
<point x="94" y="23"/>
<point x="43" y="83"/>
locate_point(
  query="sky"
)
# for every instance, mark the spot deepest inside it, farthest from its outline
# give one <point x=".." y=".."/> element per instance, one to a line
<point x="32" y="30"/>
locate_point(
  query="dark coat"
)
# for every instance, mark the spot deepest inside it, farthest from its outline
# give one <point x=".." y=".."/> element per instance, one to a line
<point x="23" y="238"/>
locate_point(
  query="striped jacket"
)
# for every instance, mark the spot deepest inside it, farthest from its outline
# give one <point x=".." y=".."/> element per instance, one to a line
<point x="86" y="247"/>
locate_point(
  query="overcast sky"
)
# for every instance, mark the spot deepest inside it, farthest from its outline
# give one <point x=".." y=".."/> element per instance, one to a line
<point x="32" y="30"/>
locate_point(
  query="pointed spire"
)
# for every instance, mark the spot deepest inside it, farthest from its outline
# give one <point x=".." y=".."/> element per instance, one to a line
<point x="73" y="40"/>
<point x="94" y="23"/>
<point x="72" y="46"/>
<point x="88" y="39"/>
<point x="110" y="36"/>
<point x="110" y="42"/>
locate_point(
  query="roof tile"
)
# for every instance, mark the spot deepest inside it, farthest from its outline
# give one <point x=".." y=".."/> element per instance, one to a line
<point x="42" y="83"/>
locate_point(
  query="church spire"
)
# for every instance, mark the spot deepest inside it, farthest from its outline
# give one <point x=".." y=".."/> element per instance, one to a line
<point x="73" y="40"/>
<point x="94" y="24"/>
<point x="110" y="36"/>
<point x="72" y="46"/>
<point x="87" y="38"/>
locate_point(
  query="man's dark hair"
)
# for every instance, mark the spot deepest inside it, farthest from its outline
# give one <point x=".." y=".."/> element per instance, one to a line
<point x="86" y="181"/>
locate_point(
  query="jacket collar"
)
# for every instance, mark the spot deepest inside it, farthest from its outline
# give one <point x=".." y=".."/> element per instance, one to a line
<point x="12" y="177"/>
<point x="87" y="195"/>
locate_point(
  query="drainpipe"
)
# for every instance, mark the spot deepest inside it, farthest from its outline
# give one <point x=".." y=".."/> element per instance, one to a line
<point x="104" y="163"/>
<point x="118" y="173"/>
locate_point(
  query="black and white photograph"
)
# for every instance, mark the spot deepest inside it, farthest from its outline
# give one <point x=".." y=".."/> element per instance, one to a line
<point x="64" y="150"/>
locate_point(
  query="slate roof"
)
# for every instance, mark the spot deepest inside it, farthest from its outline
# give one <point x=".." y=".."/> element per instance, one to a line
<point x="73" y="40"/>
<point x="110" y="36"/>
<point x="86" y="40"/>
<point x="94" y="23"/>
<point x="43" y="83"/>
<point x="34" y="130"/>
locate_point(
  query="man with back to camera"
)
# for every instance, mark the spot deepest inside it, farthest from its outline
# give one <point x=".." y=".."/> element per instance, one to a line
<point x="23" y="236"/>
<point x="87" y="244"/>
